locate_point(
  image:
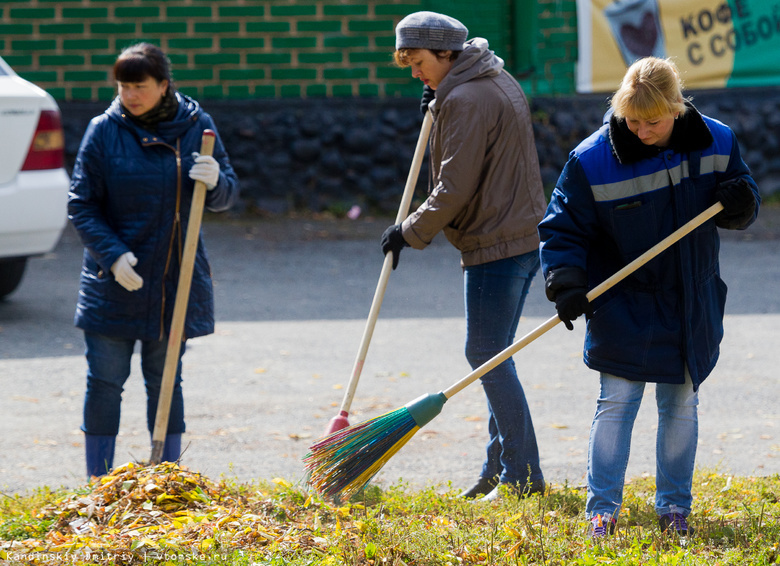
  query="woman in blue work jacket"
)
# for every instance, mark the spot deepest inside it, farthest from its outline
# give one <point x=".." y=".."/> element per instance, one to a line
<point x="654" y="165"/>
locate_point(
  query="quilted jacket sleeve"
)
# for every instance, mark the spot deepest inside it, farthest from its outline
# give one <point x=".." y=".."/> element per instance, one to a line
<point x="87" y="190"/>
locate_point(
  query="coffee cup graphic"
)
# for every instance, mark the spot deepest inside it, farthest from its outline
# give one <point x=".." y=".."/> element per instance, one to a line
<point x="636" y="27"/>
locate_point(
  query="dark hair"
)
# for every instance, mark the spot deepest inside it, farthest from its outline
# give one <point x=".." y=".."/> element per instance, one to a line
<point x="142" y="60"/>
<point x="402" y="56"/>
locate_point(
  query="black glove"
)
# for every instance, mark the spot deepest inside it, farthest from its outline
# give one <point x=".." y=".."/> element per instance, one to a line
<point x="393" y="241"/>
<point x="568" y="287"/>
<point x="427" y="95"/>
<point x="739" y="203"/>
<point x="571" y="303"/>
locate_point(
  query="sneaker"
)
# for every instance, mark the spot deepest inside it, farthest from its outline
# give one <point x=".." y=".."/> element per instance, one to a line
<point x="601" y="526"/>
<point x="517" y="490"/>
<point x="482" y="487"/>
<point x="677" y="522"/>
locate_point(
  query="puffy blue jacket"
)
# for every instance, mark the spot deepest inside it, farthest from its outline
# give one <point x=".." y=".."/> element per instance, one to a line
<point x="614" y="200"/>
<point x="130" y="191"/>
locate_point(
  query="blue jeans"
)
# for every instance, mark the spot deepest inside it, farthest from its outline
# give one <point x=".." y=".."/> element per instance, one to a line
<point x="108" y="361"/>
<point x="610" y="443"/>
<point x="495" y="293"/>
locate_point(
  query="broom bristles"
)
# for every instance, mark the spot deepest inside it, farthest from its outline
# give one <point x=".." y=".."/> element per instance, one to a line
<point x="342" y="463"/>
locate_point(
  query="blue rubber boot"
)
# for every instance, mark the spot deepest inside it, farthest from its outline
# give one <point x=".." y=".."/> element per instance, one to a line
<point x="100" y="454"/>
<point x="172" y="449"/>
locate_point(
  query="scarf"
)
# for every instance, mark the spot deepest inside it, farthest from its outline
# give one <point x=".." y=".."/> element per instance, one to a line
<point x="164" y="111"/>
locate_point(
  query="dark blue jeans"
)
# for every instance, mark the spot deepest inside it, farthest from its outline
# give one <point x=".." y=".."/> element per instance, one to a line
<point x="495" y="293"/>
<point x="108" y="361"/>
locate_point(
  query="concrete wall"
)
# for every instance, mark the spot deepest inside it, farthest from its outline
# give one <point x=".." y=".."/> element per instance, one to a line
<point x="331" y="154"/>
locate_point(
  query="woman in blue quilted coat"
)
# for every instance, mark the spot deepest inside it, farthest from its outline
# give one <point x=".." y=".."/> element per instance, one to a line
<point x="129" y="200"/>
<point x="655" y="165"/>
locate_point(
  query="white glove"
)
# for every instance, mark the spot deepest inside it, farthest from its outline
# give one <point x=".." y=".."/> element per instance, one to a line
<point x="124" y="273"/>
<point x="206" y="169"/>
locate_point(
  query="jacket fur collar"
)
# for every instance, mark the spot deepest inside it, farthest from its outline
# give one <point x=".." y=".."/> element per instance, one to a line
<point x="690" y="133"/>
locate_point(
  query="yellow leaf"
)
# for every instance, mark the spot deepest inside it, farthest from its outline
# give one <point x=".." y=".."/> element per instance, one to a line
<point x="163" y="497"/>
<point x="122" y="469"/>
<point x="223" y="520"/>
<point x="514" y="549"/>
<point x="361" y="526"/>
<point x="513" y="531"/>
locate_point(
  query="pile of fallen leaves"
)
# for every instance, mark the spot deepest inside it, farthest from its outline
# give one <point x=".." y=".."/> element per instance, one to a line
<point x="142" y="513"/>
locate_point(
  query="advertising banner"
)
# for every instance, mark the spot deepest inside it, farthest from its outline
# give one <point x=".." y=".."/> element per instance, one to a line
<point x="715" y="43"/>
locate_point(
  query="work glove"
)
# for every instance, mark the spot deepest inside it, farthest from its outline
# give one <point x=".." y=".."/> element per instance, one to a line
<point x="124" y="273"/>
<point x="568" y="287"/>
<point x="427" y="95"/>
<point x="571" y="303"/>
<point x="206" y="169"/>
<point x="393" y="241"/>
<point x="739" y="203"/>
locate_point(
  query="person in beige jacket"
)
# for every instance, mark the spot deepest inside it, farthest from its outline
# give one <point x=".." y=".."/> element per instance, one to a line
<point x="487" y="198"/>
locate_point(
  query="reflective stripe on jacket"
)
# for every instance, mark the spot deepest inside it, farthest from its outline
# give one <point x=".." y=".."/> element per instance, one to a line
<point x="607" y="211"/>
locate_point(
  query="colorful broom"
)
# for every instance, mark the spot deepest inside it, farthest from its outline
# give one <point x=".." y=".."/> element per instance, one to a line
<point x="342" y="463"/>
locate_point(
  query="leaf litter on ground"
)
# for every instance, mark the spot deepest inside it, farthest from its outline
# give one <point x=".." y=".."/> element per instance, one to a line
<point x="138" y="513"/>
<point x="169" y="515"/>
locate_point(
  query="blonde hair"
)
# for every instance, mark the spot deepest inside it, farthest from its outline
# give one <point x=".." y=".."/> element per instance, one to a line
<point x="651" y="87"/>
<point x="402" y="57"/>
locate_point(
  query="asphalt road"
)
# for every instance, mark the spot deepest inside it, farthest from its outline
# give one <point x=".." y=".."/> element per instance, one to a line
<point x="292" y="300"/>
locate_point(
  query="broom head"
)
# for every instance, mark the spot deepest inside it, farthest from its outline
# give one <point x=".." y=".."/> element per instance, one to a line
<point x="337" y="423"/>
<point x="341" y="464"/>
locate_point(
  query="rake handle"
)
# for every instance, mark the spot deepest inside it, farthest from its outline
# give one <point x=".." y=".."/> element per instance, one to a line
<point x="671" y="239"/>
<point x="387" y="266"/>
<point x="180" y="307"/>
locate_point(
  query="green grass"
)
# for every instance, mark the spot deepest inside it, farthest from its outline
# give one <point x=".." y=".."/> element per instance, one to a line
<point x="148" y="515"/>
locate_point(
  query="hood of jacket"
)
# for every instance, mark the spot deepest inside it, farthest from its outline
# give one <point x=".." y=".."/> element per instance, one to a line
<point x="186" y="115"/>
<point x="690" y="133"/>
<point x="486" y="191"/>
<point x="475" y="61"/>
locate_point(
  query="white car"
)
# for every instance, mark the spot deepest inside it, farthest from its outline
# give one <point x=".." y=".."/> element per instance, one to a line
<point x="33" y="180"/>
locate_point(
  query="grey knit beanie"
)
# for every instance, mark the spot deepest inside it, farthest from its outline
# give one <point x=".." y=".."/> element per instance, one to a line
<point x="429" y="30"/>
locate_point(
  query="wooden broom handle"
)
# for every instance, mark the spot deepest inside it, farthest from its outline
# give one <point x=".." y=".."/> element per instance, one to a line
<point x="175" y="336"/>
<point x="671" y="239"/>
<point x="387" y="266"/>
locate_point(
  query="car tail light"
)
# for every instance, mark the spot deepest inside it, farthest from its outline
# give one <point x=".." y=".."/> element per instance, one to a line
<point x="47" y="147"/>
